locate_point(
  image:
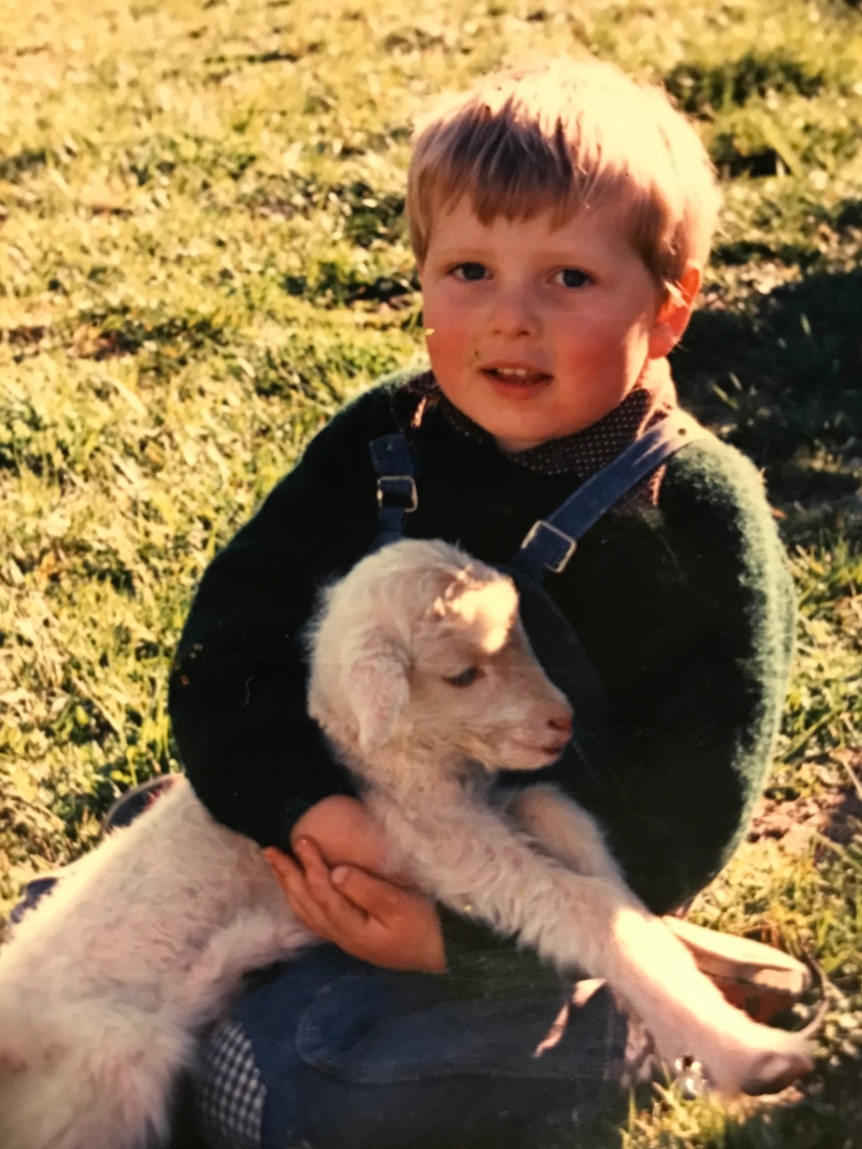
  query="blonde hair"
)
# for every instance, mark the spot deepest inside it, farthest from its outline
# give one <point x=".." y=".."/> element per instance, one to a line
<point x="558" y="136"/>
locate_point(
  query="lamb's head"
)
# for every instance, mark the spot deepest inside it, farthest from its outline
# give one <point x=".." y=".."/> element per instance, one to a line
<point x="421" y="648"/>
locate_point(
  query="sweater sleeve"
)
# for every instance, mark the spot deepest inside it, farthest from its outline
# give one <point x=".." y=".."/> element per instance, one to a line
<point x="237" y="691"/>
<point x="698" y="741"/>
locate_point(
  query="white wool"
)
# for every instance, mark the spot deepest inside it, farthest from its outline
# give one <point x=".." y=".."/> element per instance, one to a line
<point x="424" y="682"/>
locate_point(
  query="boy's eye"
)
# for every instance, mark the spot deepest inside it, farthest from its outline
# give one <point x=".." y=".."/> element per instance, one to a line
<point x="574" y="277"/>
<point x="470" y="271"/>
<point x="466" y="677"/>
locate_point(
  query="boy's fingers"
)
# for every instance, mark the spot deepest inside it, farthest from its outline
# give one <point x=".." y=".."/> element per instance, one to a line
<point x="402" y="929"/>
<point x="365" y="915"/>
<point x="328" y="920"/>
<point x="279" y="862"/>
<point x="314" y="899"/>
<point x="287" y="873"/>
<point x="376" y="897"/>
<point x="317" y="873"/>
<point x="311" y="867"/>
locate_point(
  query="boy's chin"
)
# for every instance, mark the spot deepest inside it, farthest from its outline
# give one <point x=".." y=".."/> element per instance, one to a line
<point x="515" y="437"/>
<point x="516" y="446"/>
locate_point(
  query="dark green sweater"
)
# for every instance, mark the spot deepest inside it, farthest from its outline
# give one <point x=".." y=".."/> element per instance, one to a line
<point x="686" y="610"/>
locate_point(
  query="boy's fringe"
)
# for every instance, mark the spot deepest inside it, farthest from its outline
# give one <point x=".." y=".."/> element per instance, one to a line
<point x="560" y="135"/>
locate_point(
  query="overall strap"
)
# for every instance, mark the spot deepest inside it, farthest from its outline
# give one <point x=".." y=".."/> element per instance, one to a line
<point x="551" y="542"/>
<point x="396" y="486"/>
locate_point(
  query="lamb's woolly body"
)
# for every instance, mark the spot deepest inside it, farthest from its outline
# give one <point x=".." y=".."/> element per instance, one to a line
<point x="104" y="987"/>
<point x="423" y="679"/>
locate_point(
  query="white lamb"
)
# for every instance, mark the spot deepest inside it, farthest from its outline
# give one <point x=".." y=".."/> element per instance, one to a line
<point x="424" y="681"/>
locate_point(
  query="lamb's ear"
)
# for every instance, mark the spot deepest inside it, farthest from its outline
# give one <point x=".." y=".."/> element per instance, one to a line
<point x="377" y="690"/>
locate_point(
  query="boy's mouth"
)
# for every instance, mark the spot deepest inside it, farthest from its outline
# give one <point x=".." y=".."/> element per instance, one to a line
<point x="516" y="376"/>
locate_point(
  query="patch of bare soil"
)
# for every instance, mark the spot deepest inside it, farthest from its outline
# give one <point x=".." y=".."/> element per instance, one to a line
<point x="833" y="810"/>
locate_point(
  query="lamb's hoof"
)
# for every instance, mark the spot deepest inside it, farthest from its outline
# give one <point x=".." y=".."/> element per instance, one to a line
<point x="774" y="1071"/>
<point x="762" y="1060"/>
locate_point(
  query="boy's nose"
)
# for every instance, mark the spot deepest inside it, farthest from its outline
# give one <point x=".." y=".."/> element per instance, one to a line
<point x="513" y="313"/>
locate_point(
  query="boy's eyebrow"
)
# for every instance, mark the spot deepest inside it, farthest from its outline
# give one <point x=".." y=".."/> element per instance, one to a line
<point x="461" y="245"/>
<point x="568" y="254"/>
<point x="456" y="255"/>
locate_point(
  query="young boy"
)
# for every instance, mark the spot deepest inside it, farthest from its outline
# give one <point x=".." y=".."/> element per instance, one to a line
<point x="561" y="218"/>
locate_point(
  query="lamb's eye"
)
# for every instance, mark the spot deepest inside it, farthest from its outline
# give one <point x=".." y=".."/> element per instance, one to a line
<point x="466" y="677"/>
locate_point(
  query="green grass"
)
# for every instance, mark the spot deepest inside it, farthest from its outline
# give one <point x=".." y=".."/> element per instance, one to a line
<point x="202" y="253"/>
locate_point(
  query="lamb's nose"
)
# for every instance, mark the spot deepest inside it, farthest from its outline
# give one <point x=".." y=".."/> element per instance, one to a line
<point x="562" y="724"/>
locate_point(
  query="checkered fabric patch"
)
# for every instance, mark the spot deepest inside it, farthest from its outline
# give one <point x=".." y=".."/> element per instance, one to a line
<point x="231" y="1094"/>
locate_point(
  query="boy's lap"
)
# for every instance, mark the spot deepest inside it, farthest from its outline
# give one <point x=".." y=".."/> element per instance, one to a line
<point x="341" y="1055"/>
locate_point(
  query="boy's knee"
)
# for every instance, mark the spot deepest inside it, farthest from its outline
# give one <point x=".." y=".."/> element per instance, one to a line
<point x="344" y="832"/>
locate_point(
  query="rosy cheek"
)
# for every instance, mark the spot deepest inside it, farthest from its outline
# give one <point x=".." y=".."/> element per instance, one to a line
<point x="445" y="331"/>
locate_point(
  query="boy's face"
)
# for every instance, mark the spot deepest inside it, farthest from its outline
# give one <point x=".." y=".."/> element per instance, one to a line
<point x="534" y="332"/>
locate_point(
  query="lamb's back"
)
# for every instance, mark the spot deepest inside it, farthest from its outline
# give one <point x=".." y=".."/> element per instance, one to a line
<point x="139" y="908"/>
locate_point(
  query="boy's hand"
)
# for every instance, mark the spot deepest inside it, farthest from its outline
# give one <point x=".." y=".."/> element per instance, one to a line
<point x="367" y="916"/>
<point x="369" y="911"/>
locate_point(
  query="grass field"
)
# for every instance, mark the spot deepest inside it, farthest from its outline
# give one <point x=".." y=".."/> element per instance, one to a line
<point x="202" y="253"/>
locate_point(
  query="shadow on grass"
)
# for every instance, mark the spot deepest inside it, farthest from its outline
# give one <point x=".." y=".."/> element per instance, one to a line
<point x="786" y="374"/>
<point x="784" y="382"/>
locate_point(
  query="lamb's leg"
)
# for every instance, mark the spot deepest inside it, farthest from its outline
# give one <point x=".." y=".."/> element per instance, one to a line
<point x="684" y="1011"/>
<point x="95" y="1075"/>
<point x="254" y="939"/>
<point x="474" y="861"/>
<point x="566" y="830"/>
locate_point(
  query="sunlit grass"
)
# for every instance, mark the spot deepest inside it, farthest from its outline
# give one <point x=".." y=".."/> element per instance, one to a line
<point x="202" y="254"/>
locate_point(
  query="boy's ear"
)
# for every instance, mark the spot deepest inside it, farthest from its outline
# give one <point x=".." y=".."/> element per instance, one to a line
<point x="673" y="315"/>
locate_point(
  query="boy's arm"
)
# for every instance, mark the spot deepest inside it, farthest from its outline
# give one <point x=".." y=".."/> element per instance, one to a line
<point x="237" y="692"/>
<point x="694" y="760"/>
